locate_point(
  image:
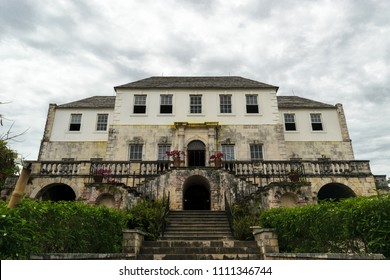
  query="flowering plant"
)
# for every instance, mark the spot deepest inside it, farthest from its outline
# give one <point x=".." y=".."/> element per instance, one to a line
<point x="174" y="154"/>
<point x="217" y="155"/>
<point x="101" y="171"/>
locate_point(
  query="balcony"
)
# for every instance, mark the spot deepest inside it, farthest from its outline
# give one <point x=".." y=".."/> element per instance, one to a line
<point x="131" y="172"/>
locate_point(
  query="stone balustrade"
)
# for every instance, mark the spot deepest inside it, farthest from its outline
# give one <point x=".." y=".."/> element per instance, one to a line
<point x="265" y="169"/>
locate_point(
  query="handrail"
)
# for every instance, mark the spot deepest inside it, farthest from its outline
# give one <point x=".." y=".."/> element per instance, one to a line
<point x="229" y="214"/>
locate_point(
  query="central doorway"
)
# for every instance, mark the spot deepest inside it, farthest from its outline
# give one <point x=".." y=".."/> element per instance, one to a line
<point x="196" y="193"/>
<point x="196" y="151"/>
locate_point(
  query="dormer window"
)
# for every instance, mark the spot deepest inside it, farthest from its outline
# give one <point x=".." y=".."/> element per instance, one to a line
<point x="139" y="104"/>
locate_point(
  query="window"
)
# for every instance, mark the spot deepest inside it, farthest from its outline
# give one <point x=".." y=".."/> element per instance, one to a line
<point x="225" y="103"/>
<point x="75" y="122"/>
<point x="256" y="151"/>
<point x="289" y="122"/>
<point x="165" y="104"/>
<point x="102" y="120"/>
<point x="135" y="152"/>
<point x="162" y="149"/>
<point x="228" y="152"/>
<point x="139" y="104"/>
<point x="316" y="123"/>
<point x="195" y="104"/>
<point x="252" y="106"/>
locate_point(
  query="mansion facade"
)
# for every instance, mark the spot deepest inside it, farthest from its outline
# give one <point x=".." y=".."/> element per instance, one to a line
<point x="280" y="150"/>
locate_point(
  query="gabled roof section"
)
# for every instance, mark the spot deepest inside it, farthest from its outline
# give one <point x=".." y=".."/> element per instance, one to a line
<point x="222" y="82"/>
<point x="300" y="102"/>
<point x="92" y="102"/>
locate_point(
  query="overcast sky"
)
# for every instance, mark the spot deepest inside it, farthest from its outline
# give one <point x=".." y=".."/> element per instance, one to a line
<point x="330" y="51"/>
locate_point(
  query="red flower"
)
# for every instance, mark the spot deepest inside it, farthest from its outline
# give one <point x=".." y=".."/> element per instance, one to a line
<point x="217" y="155"/>
<point x="174" y="153"/>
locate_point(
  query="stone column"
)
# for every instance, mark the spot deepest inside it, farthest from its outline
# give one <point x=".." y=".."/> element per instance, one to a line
<point x="132" y="241"/>
<point x="267" y="240"/>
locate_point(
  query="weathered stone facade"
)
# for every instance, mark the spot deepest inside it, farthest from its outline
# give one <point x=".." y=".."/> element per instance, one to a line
<point x="270" y="137"/>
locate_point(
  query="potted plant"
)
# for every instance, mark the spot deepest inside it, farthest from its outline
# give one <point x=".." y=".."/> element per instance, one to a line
<point x="293" y="175"/>
<point x="217" y="158"/>
<point x="175" y="154"/>
<point x="100" y="174"/>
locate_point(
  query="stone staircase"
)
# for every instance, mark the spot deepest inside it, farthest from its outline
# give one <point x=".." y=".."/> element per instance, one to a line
<point x="198" y="235"/>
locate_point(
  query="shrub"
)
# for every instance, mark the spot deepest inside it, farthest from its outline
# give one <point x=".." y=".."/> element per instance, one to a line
<point x="352" y="225"/>
<point x="243" y="220"/>
<point x="148" y="216"/>
<point x="35" y="227"/>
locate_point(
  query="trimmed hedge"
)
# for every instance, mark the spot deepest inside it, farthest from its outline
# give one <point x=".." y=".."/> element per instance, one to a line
<point x="355" y="225"/>
<point x="35" y="227"/>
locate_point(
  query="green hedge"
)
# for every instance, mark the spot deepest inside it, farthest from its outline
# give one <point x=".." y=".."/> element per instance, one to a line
<point x="148" y="216"/>
<point x="35" y="227"/>
<point x="356" y="225"/>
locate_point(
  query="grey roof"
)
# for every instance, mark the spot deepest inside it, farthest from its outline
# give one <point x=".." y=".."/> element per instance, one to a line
<point x="109" y="102"/>
<point x="300" y="102"/>
<point x="92" y="102"/>
<point x="195" y="82"/>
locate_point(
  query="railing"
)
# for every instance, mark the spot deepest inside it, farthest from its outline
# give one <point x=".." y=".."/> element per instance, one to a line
<point x="244" y="169"/>
<point x="304" y="168"/>
<point x="229" y="214"/>
<point x="166" y="202"/>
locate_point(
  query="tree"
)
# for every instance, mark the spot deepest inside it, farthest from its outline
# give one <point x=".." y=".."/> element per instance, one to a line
<point x="8" y="166"/>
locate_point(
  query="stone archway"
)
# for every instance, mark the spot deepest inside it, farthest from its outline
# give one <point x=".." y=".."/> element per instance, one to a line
<point x="196" y="151"/>
<point x="334" y="191"/>
<point x="57" y="192"/>
<point x="196" y="193"/>
<point x="288" y="200"/>
<point x="107" y="200"/>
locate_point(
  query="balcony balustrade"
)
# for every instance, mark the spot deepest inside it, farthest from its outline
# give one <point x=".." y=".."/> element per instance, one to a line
<point x="262" y="169"/>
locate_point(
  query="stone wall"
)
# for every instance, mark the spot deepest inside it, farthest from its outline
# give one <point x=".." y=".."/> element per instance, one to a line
<point x="51" y="150"/>
<point x="313" y="150"/>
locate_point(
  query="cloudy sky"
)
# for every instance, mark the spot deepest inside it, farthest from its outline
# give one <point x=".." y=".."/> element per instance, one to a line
<point x="330" y="51"/>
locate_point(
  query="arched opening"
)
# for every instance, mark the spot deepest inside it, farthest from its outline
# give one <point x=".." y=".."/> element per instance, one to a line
<point x="196" y="193"/>
<point x="335" y="191"/>
<point x="288" y="200"/>
<point x="107" y="200"/>
<point x="196" y="151"/>
<point x="57" y="192"/>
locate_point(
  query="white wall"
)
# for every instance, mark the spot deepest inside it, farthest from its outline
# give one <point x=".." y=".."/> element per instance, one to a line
<point x="330" y="122"/>
<point x="88" y="132"/>
<point x="268" y="111"/>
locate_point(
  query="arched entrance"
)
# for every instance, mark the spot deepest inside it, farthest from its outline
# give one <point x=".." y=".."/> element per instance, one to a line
<point x="57" y="192"/>
<point x="107" y="200"/>
<point x="335" y="191"/>
<point x="196" y="151"/>
<point x="288" y="200"/>
<point x="196" y="193"/>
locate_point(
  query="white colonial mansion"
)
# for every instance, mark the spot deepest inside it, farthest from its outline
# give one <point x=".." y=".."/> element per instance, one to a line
<point x="283" y="150"/>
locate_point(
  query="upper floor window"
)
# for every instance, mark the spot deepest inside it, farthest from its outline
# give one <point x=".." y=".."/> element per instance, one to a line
<point x="225" y="103"/>
<point x="139" y="104"/>
<point x="135" y="152"/>
<point x="195" y="104"/>
<point x="162" y="149"/>
<point x="316" y="122"/>
<point x="228" y="152"/>
<point x="252" y="105"/>
<point x="289" y="122"/>
<point x="102" y="122"/>
<point x="75" y="122"/>
<point x="165" y="104"/>
<point x="256" y="151"/>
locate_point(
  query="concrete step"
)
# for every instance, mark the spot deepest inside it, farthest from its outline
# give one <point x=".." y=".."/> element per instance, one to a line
<point x="199" y="250"/>
<point x="200" y="243"/>
<point x="199" y="257"/>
